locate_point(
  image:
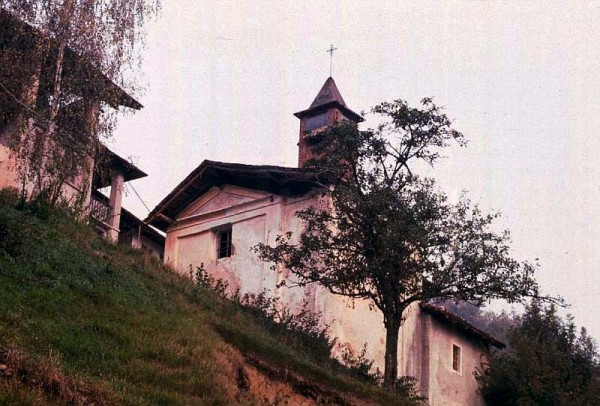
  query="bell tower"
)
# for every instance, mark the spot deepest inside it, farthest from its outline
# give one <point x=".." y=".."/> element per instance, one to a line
<point x="327" y="108"/>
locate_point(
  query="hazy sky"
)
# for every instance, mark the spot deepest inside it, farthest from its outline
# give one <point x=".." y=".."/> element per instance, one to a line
<point x="520" y="79"/>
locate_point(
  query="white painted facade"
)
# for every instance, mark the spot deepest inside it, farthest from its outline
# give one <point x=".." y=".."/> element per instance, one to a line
<point x="444" y="385"/>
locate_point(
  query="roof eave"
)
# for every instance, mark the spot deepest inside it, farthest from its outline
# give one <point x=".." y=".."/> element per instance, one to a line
<point x="108" y="91"/>
<point x="273" y="179"/>
<point x="114" y="161"/>
<point x="157" y="211"/>
<point x="333" y="104"/>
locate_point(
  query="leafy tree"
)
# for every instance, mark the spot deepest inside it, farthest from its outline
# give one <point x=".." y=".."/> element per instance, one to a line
<point x="547" y="364"/>
<point x="390" y="236"/>
<point x="105" y="35"/>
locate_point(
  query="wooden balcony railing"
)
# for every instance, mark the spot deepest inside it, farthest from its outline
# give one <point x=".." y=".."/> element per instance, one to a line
<point x="100" y="210"/>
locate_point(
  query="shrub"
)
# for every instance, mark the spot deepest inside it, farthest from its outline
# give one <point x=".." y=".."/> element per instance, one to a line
<point x="547" y="363"/>
<point x="359" y="365"/>
<point x="301" y="329"/>
<point x="205" y="280"/>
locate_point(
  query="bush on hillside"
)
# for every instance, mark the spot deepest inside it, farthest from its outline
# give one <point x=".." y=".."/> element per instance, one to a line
<point x="301" y="329"/>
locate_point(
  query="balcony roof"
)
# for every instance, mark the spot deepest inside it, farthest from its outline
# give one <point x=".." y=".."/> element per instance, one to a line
<point x="106" y="162"/>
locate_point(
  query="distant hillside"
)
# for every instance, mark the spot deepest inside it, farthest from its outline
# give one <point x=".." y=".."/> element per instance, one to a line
<point x="83" y="321"/>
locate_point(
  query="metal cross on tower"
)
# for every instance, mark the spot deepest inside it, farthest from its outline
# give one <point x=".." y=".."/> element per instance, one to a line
<point x="330" y="51"/>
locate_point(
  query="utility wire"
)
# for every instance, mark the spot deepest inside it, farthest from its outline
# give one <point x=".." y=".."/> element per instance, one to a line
<point x="41" y="120"/>
<point x="17" y="99"/>
<point x="139" y="197"/>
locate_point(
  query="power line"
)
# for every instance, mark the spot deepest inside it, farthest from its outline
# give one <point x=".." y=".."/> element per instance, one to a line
<point x="40" y="120"/>
<point x="17" y="99"/>
<point x="139" y="197"/>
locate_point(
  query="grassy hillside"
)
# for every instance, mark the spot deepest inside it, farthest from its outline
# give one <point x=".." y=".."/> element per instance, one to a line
<point x="83" y="321"/>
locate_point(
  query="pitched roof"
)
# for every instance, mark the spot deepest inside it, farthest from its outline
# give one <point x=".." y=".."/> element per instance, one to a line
<point x="106" y="161"/>
<point x="461" y="324"/>
<point x="329" y="96"/>
<point x="273" y="179"/>
<point x="328" y="93"/>
<point x="129" y="221"/>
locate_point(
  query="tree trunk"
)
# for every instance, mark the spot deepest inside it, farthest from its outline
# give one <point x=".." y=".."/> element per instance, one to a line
<point x="63" y="34"/>
<point x="63" y="37"/>
<point x="390" y="374"/>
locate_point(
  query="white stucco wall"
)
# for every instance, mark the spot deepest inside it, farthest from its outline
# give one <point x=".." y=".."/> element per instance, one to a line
<point x="446" y="386"/>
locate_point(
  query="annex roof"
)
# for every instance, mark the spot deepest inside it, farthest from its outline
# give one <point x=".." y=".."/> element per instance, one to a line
<point x="130" y="221"/>
<point x="272" y="179"/>
<point x="449" y="318"/>
<point x="329" y="96"/>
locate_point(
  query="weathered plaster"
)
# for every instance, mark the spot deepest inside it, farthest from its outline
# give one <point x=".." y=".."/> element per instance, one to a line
<point x="448" y="387"/>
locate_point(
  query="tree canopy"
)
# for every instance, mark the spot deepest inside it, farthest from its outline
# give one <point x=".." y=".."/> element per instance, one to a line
<point x="52" y="65"/>
<point x="390" y="236"/>
<point x="547" y="363"/>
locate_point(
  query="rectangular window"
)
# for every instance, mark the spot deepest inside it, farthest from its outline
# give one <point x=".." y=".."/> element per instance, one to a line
<point x="456" y="357"/>
<point x="224" y="240"/>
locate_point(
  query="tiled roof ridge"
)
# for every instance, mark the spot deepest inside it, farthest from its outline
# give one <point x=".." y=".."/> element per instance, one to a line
<point x="238" y="165"/>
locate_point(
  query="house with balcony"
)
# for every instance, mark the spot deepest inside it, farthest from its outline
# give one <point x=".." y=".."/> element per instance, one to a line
<point x="107" y="214"/>
<point x="27" y="75"/>
<point x="110" y="172"/>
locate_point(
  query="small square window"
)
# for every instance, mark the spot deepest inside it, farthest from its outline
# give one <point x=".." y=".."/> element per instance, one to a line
<point x="456" y="358"/>
<point x="224" y="240"/>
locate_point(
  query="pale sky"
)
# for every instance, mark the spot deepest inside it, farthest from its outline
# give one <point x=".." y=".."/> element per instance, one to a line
<point x="520" y="79"/>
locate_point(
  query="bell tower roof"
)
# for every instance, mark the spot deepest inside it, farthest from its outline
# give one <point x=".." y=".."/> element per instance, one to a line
<point x="329" y="96"/>
<point x="328" y="93"/>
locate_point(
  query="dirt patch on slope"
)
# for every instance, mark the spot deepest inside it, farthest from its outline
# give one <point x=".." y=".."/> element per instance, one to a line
<point x="246" y="380"/>
<point x="249" y="380"/>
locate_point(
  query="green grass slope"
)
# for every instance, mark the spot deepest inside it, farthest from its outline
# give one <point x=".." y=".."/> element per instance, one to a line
<point x="83" y="321"/>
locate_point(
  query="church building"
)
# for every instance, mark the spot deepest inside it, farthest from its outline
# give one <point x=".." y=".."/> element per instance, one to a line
<point x="221" y="210"/>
